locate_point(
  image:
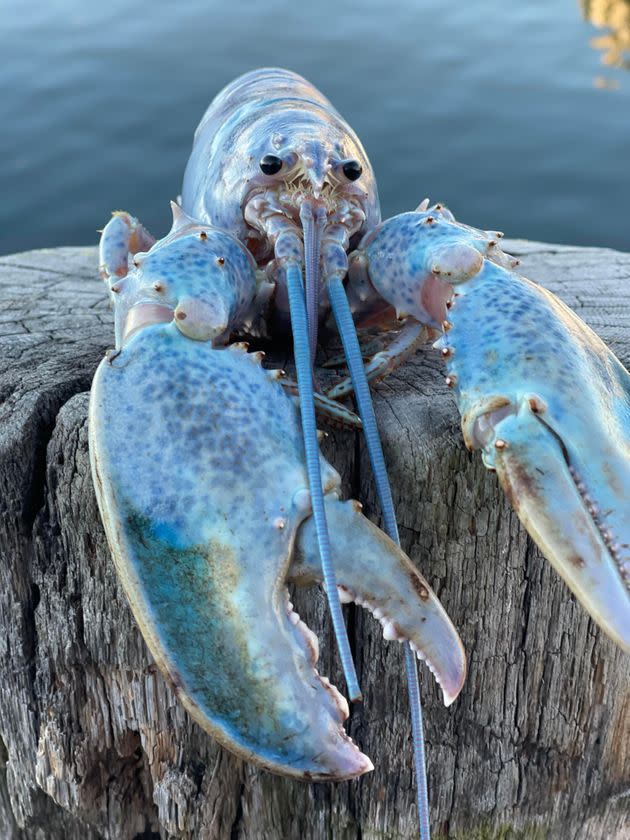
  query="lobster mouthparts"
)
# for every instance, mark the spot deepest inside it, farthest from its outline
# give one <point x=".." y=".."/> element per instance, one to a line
<point x="198" y="464"/>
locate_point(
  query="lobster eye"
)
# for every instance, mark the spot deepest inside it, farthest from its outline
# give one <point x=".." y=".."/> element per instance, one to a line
<point x="352" y="169"/>
<point x="271" y="164"/>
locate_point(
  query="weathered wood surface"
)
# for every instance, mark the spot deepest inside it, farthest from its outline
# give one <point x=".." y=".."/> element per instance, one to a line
<point x="94" y="743"/>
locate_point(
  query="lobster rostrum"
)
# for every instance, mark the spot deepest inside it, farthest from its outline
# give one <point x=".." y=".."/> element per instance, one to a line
<point x="198" y="462"/>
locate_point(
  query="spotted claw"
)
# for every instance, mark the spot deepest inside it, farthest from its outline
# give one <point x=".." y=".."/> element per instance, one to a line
<point x="542" y="396"/>
<point x="554" y="421"/>
<point x="197" y="462"/>
<point x="203" y="499"/>
<point x="199" y="469"/>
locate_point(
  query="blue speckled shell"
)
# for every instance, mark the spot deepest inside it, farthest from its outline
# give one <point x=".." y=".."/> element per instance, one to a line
<point x="197" y="455"/>
<point x="215" y="271"/>
<point x="567" y="449"/>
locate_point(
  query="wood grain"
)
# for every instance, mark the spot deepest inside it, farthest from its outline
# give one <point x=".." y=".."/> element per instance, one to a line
<point x="94" y="743"/>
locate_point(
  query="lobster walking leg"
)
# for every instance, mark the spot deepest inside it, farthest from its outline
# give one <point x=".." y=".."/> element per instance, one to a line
<point x="387" y="360"/>
<point x="368" y="349"/>
<point x="331" y="411"/>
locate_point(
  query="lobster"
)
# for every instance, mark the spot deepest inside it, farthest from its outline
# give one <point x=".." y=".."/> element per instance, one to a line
<point x="279" y="191"/>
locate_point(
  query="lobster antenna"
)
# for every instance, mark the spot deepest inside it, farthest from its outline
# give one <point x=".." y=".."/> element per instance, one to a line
<point x="352" y="350"/>
<point x="304" y="369"/>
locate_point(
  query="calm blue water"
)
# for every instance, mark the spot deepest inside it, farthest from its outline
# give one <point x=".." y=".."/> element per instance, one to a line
<point x="504" y="110"/>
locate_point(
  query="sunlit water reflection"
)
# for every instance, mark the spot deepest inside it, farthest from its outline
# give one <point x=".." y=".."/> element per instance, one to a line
<point x="493" y="107"/>
<point x="613" y="15"/>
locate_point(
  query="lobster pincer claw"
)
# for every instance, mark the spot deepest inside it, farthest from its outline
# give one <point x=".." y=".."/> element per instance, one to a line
<point x="558" y="498"/>
<point x="542" y="396"/>
<point x="375" y="573"/>
<point x="549" y="404"/>
<point x="198" y="464"/>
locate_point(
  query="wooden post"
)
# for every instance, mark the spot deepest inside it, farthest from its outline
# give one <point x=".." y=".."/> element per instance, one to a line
<point x="94" y="743"/>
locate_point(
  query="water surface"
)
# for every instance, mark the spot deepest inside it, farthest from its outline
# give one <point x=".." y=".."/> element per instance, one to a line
<point x="517" y="115"/>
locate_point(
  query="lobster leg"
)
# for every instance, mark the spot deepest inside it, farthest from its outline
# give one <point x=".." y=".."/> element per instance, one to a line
<point x="197" y="276"/>
<point x="329" y="410"/>
<point x="198" y="462"/>
<point x="368" y="349"/>
<point x="385" y="361"/>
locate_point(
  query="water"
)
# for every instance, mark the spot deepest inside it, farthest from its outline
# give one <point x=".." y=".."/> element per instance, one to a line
<point x="505" y="111"/>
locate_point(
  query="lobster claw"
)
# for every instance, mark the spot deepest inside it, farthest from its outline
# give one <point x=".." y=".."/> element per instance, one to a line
<point x="542" y="396"/>
<point x="198" y="465"/>
<point x="550" y="405"/>
<point x="571" y="505"/>
<point x="199" y="469"/>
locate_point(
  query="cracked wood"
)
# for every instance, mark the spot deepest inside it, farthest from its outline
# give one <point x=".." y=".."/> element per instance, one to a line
<point x="94" y="743"/>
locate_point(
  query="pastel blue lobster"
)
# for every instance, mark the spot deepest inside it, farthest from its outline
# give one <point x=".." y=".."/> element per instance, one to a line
<point x="278" y="188"/>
